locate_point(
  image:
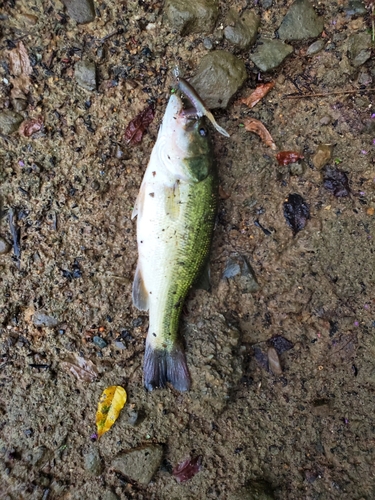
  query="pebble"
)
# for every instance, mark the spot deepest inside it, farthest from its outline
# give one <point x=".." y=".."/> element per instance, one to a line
<point x="99" y="342"/>
<point x="4" y="246"/>
<point x="207" y="43"/>
<point x="191" y="17"/>
<point x="85" y="74"/>
<point x="9" y="121"/>
<point x="82" y="11"/>
<point x="40" y="318"/>
<point x="239" y="269"/>
<point x="315" y="47"/>
<point x="220" y="74"/>
<point x="241" y="30"/>
<point x="92" y="461"/>
<point x="139" y="464"/>
<point x="300" y="22"/>
<point x="274" y="361"/>
<point x="269" y="54"/>
<point x="322" y="155"/>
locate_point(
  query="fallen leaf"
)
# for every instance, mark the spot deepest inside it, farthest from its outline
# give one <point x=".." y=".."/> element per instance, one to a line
<point x="84" y="370"/>
<point x="111" y="402"/>
<point x="336" y="181"/>
<point x="296" y="212"/>
<point x="286" y="157"/>
<point x="257" y="94"/>
<point x="137" y="127"/>
<point x="274" y="361"/>
<point x="30" y="127"/>
<point x="281" y="344"/>
<point x="20" y="69"/>
<point x="253" y="125"/>
<point x="223" y="194"/>
<point x="187" y="469"/>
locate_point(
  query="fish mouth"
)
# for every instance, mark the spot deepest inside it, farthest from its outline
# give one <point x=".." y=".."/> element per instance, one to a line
<point x="177" y="115"/>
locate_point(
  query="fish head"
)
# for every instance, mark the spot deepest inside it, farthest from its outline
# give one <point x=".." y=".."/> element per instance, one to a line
<point x="188" y="148"/>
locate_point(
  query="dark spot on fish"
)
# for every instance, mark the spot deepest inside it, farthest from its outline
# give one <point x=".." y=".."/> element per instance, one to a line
<point x="152" y="194"/>
<point x="141" y="241"/>
<point x="154" y="173"/>
<point x="154" y="334"/>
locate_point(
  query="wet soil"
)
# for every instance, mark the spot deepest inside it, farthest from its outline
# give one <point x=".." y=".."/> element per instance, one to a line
<point x="307" y="432"/>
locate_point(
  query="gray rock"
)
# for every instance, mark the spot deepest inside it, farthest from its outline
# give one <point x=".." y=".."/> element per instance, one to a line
<point x="315" y="47"/>
<point x="109" y="495"/>
<point x="266" y="4"/>
<point x="241" y="30"/>
<point x="219" y="76"/>
<point x="4" y="246"/>
<point x="359" y="48"/>
<point x="238" y="268"/>
<point x="139" y="464"/>
<point x="40" y="318"/>
<point x="19" y="104"/>
<point x="98" y="341"/>
<point x="82" y="11"/>
<point x="207" y="43"/>
<point x="300" y="22"/>
<point x="259" y="490"/>
<point x="297" y="169"/>
<point x="85" y="74"/>
<point x="269" y="54"/>
<point x="192" y="17"/>
<point x="9" y="121"/>
<point x="355" y="8"/>
<point x="93" y="464"/>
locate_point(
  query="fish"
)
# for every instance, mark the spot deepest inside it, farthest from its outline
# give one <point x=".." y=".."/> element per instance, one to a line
<point x="176" y="209"/>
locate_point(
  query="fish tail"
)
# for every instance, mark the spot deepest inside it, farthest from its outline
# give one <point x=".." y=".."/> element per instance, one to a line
<point x="162" y="366"/>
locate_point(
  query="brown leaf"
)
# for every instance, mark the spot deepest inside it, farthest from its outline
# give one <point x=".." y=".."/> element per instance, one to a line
<point x="257" y="94"/>
<point x="20" y="69"/>
<point x="84" y="370"/>
<point x="137" y="127"/>
<point x="253" y="125"/>
<point x="187" y="469"/>
<point x="286" y="157"/>
<point x="30" y="127"/>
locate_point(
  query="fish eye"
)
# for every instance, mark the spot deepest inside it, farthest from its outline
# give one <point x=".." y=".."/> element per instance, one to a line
<point x="203" y="132"/>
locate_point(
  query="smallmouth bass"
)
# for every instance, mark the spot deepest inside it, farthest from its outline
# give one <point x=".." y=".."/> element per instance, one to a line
<point x="176" y="210"/>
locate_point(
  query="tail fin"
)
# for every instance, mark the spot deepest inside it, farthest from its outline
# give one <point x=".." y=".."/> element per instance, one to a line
<point x="162" y="366"/>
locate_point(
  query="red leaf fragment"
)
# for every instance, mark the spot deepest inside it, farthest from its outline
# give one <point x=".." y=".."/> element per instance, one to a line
<point x="286" y="157"/>
<point x="30" y="127"/>
<point x="137" y="127"/>
<point x="187" y="469"/>
<point x="256" y="126"/>
<point x="257" y="94"/>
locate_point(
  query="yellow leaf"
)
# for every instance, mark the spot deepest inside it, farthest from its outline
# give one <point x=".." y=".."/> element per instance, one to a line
<point x="110" y="404"/>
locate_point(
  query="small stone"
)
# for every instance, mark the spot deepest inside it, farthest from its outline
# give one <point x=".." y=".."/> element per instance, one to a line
<point x="139" y="464"/>
<point x="109" y="495"/>
<point x="297" y="169"/>
<point x="300" y="22"/>
<point x="269" y="54"/>
<point x="207" y="43"/>
<point x="219" y="76"/>
<point x="323" y="155"/>
<point x="355" y="8"/>
<point x="92" y="461"/>
<point x="4" y="246"/>
<point x="326" y="120"/>
<point x="98" y="341"/>
<point x="192" y="17"/>
<point x="241" y="30"/>
<point x="238" y="268"/>
<point x="274" y="361"/>
<point x="9" y="121"/>
<point x="259" y="490"/>
<point x="119" y="344"/>
<point x="85" y="75"/>
<point x="19" y="104"/>
<point x="359" y="48"/>
<point x="82" y="11"/>
<point x="266" y="4"/>
<point x="132" y="416"/>
<point x="315" y="47"/>
<point x="41" y="319"/>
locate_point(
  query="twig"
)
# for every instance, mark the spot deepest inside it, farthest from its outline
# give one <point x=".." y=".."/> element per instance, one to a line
<point x="326" y="94"/>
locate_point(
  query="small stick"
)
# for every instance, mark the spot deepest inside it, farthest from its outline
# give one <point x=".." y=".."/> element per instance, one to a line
<point x="326" y="94"/>
<point x="15" y="232"/>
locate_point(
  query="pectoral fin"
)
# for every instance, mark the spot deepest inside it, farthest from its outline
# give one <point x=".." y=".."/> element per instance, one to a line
<point x="139" y="292"/>
<point x="138" y="205"/>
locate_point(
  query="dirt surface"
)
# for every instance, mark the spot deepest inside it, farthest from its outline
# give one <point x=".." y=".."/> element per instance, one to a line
<point x="307" y="432"/>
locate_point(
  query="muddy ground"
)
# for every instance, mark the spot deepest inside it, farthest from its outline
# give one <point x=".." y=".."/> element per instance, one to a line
<point x="307" y="432"/>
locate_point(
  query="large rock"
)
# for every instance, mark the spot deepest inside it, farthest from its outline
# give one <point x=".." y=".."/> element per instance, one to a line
<point x="9" y="121"/>
<point x="300" y="22"/>
<point x="269" y="54"/>
<point x="241" y="30"/>
<point x="82" y="11"/>
<point x="139" y="464"/>
<point x="359" y="48"/>
<point x="85" y="74"/>
<point x="219" y="76"/>
<point x="192" y="17"/>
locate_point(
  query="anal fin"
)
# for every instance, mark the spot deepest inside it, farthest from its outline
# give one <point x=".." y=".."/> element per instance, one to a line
<point x="139" y="292"/>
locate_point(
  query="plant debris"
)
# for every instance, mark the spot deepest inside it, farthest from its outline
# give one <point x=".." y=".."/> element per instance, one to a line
<point x="258" y="94"/>
<point x="16" y="235"/>
<point x="274" y="361"/>
<point x="336" y="181"/>
<point x="257" y="127"/>
<point x="21" y="69"/>
<point x="187" y="469"/>
<point x="281" y="344"/>
<point x="286" y="157"/>
<point x="110" y="404"/>
<point x="84" y="370"/>
<point x="296" y="212"/>
<point x="30" y="127"/>
<point x="137" y="127"/>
